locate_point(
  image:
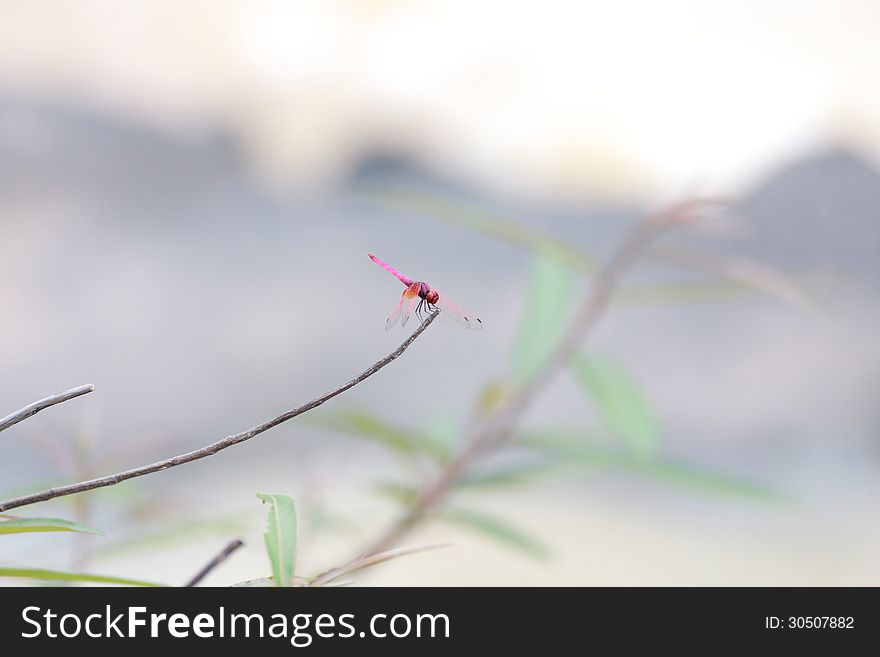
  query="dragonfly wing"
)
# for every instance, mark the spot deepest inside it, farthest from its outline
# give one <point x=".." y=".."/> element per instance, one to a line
<point x="395" y="314"/>
<point x="462" y="316"/>
<point x="409" y="302"/>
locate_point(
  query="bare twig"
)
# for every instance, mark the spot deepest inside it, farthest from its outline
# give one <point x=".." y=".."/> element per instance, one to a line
<point x="222" y="444"/>
<point x="735" y="268"/>
<point x="367" y="560"/>
<point x="37" y="406"/>
<point x="216" y="561"/>
<point x="497" y="427"/>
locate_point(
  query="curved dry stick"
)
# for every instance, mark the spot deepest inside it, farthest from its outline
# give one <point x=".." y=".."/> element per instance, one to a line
<point x="366" y="561"/>
<point x="222" y="444"/>
<point x="37" y="406"/>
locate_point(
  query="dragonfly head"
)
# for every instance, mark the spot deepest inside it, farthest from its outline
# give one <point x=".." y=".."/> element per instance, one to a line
<point x="428" y="293"/>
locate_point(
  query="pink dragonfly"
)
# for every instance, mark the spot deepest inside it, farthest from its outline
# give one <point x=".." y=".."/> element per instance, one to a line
<point x="421" y="297"/>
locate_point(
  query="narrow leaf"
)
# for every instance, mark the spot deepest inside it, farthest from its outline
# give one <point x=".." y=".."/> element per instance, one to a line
<point x="488" y="224"/>
<point x="497" y="529"/>
<point x="742" y="275"/>
<point x="281" y="537"/>
<point x="570" y="448"/>
<point x="681" y="292"/>
<point x="692" y="476"/>
<point x="624" y="409"/>
<point x="392" y="490"/>
<point x="28" y="525"/>
<point x="59" y="576"/>
<point x="176" y="533"/>
<point x="548" y="308"/>
<point x="364" y="424"/>
<point x="443" y="432"/>
<point x="507" y="475"/>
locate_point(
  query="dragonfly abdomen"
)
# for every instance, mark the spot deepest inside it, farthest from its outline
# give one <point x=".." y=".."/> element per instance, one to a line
<point x="391" y="270"/>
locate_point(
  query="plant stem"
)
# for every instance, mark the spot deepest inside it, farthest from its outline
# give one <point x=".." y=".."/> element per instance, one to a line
<point x="37" y="406"/>
<point x="496" y="428"/>
<point x="213" y="448"/>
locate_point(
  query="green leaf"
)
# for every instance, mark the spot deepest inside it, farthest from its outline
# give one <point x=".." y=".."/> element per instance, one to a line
<point x="281" y="537"/>
<point x="488" y="224"/>
<point x="442" y="432"/>
<point x="59" y="576"/>
<point x="365" y="424"/>
<point x="684" y="474"/>
<point x="175" y="533"/>
<point x="681" y="292"/>
<point x="403" y="493"/>
<point x="570" y="447"/>
<point x="565" y="442"/>
<point x="548" y="309"/>
<point x="507" y="475"/>
<point x="27" y="525"/>
<point x="624" y="409"/>
<point x="497" y="529"/>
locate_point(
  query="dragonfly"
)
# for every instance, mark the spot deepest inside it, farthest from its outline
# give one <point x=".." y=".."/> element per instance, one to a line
<point x="419" y="297"/>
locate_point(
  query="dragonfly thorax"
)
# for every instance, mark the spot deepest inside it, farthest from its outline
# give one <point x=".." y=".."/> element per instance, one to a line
<point x="428" y="294"/>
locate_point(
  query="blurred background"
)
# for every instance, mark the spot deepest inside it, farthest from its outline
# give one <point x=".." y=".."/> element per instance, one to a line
<point x="188" y="191"/>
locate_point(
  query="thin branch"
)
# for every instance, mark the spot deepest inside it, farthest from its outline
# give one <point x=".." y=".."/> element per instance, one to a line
<point x="498" y="426"/>
<point x="366" y="561"/>
<point x="37" y="406"/>
<point x="735" y="268"/>
<point x="222" y="444"/>
<point x="216" y="561"/>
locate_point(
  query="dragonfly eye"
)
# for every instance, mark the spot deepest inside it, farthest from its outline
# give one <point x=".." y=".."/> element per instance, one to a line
<point x="432" y="297"/>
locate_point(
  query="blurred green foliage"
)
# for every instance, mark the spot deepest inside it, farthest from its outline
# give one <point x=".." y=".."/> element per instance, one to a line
<point x="624" y="409"/>
<point x="625" y="440"/>
<point x="497" y="529"/>
<point x="549" y="307"/>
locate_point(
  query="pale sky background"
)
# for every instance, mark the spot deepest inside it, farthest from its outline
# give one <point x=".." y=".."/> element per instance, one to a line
<point x="575" y="98"/>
